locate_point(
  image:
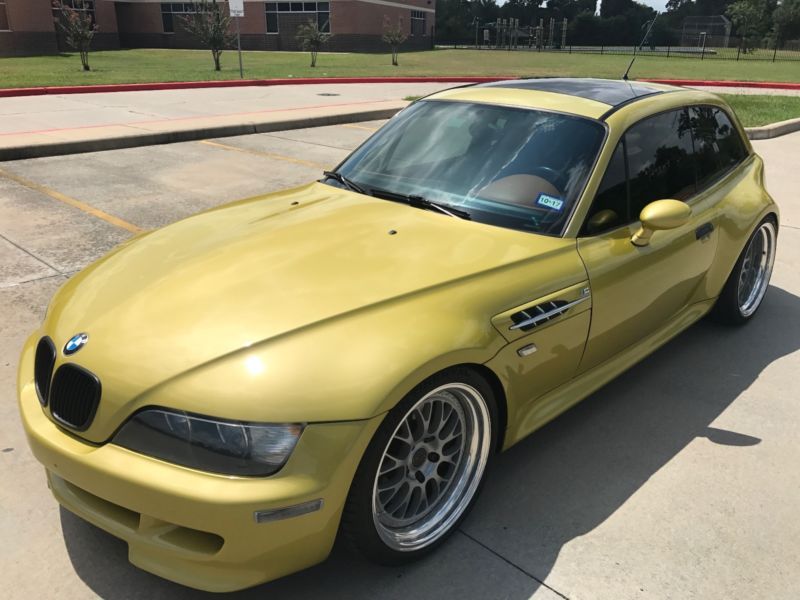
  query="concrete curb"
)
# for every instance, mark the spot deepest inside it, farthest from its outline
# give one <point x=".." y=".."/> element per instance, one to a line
<point x="773" y="130"/>
<point x="219" y="131"/>
<point x="187" y="85"/>
<point x="188" y="135"/>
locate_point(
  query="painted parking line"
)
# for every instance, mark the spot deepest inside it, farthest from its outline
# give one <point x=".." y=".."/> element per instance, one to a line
<point x="272" y="155"/>
<point x="56" y="195"/>
<point x="359" y="127"/>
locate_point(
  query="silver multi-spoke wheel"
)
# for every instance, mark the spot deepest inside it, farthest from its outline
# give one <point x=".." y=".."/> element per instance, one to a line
<point x="759" y="256"/>
<point x="431" y="467"/>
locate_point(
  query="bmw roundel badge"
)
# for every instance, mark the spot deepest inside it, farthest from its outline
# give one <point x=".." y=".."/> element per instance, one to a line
<point x="75" y="343"/>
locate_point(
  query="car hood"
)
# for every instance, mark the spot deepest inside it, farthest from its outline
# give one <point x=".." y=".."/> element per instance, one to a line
<point x="241" y="274"/>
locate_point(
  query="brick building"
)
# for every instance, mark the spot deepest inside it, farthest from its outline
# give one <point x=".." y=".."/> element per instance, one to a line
<point x="27" y="27"/>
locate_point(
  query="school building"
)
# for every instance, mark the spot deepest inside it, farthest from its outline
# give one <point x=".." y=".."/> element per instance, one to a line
<point x="28" y="27"/>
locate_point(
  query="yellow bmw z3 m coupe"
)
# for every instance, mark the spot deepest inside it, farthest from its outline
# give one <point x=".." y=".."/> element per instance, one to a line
<point x="231" y="392"/>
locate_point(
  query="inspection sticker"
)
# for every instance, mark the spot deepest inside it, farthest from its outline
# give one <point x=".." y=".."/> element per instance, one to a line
<point x="550" y="202"/>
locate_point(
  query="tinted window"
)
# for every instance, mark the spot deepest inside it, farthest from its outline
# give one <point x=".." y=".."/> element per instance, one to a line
<point x="272" y="22"/>
<point x="718" y="146"/>
<point x="517" y="168"/>
<point x="660" y="161"/>
<point x="612" y="195"/>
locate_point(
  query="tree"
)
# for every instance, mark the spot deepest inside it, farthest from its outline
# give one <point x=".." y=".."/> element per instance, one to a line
<point x="312" y="39"/>
<point x="786" y="20"/>
<point x="78" y="27"/>
<point x="394" y="35"/>
<point x="753" y="19"/>
<point x="211" y="26"/>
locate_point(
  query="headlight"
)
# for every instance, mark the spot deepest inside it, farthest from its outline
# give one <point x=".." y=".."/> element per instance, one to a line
<point x="229" y="447"/>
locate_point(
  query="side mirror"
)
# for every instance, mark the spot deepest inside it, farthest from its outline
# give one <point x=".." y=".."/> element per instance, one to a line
<point x="659" y="215"/>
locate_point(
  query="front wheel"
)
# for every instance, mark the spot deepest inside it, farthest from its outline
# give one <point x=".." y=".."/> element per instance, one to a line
<point x="749" y="280"/>
<point x="423" y="469"/>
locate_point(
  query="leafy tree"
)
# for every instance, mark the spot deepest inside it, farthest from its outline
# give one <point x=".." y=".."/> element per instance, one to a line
<point x="786" y="20"/>
<point x="312" y="39"/>
<point x="612" y="8"/>
<point x="753" y="19"/>
<point x="394" y="35"/>
<point x="211" y="26"/>
<point x="570" y="9"/>
<point x="76" y="23"/>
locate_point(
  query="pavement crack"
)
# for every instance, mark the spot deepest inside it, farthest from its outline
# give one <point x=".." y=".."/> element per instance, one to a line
<point x="288" y="139"/>
<point x="512" y="564"/>
<point x="5" y="286"/>
<point x="32" y="255"/>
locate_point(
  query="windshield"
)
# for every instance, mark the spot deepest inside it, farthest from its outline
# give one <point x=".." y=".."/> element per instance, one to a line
<point x="512" y="167"/>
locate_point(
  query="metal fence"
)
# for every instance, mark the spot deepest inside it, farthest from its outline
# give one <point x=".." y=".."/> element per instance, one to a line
<point x="679" y="44"/>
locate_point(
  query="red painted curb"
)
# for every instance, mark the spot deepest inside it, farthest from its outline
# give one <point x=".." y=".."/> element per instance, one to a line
<point x="778" y="85"/>
<point x="187" y="85"/>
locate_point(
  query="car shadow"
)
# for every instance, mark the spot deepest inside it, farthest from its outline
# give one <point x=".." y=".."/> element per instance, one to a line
<point x="558" y="484"/>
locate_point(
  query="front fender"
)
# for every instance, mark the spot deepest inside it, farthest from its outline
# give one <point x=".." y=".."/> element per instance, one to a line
<point x="346" y="369"/>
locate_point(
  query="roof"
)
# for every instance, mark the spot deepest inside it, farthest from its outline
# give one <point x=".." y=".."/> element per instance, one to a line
<point x="583" y="96"/>
<point x="607" y="91"/>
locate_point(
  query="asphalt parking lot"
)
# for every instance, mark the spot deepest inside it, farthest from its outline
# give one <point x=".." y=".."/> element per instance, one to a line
<point x="678" y="480"/>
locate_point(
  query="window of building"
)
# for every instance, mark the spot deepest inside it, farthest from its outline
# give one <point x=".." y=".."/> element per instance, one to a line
<point x="85" y="6"/>
<point x="272" y="18"/>
<point x="170" y="9"/>
<point x="324" y="17"/>
<point x="418" y="22"/>
<point x="4" y="26"/>
<point x="321" y="9"/>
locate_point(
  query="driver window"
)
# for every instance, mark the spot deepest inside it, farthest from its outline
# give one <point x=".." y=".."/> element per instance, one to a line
<point x="653" y="161"/>
<point x="610" y="206"/>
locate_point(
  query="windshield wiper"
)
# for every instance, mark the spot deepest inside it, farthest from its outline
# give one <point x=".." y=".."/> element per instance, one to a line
<point x="348" y="183"/>
<point x="420" y="202"/>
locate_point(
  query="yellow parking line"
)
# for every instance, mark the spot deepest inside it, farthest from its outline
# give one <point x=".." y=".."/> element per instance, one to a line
<point x="55" y="195"/>
<point x="360" y="127"/>
<point x="297" y="161"/>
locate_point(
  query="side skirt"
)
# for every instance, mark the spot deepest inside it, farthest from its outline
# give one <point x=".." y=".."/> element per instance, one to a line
<point x="548" y="407"/>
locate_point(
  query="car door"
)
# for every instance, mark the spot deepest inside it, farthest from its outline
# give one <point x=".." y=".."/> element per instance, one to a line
<point x="638" y="290"/>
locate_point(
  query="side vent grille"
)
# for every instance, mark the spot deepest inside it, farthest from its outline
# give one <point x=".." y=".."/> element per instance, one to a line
<point x="43" y="368"/>
<point x="531" y="313"/>
<point x="74" y="395"/>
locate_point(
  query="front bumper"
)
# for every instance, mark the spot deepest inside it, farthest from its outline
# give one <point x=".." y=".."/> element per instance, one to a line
<point x="196" y="528"/>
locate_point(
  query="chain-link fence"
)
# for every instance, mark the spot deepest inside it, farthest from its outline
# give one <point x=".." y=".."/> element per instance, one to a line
<point x="690" y="42"/>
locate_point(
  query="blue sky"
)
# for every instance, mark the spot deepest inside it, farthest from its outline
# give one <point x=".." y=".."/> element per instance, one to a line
<point x="659" y="5"/>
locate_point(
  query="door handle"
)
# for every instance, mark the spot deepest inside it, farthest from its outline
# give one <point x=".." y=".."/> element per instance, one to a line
<point x="704" y="230"/>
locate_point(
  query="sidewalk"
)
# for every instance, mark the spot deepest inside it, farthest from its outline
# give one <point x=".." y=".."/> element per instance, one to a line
<point x="37" y="126"/>
<point x="57" y="124"/>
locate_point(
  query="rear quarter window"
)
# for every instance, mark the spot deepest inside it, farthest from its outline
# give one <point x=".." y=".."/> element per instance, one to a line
<point x="718" y="146"/>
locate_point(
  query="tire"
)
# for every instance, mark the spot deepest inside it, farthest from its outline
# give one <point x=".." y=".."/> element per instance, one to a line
<point x="430" y="482"/>
<point x="748" y="282"/>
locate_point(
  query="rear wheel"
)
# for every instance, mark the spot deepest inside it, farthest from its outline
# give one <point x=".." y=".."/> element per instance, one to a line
<point x="749" y="280"/>
<point x="423" y="469"/>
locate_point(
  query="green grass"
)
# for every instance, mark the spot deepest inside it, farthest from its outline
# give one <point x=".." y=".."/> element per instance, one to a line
<point x="757" y="110"/>
<point x="133" y="66"/>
